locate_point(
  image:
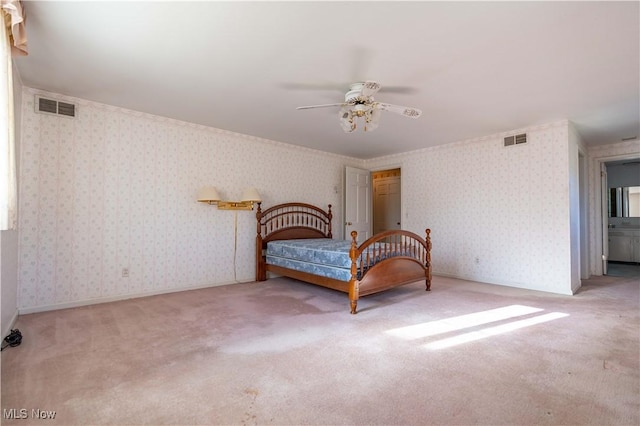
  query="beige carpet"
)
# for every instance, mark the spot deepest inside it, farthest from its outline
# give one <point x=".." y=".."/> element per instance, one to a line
<point x="284" y="352"/>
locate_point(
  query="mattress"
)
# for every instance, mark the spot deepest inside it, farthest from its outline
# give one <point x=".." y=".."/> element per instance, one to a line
<point x="323" y="256"/>
<point x="322" y="251"/>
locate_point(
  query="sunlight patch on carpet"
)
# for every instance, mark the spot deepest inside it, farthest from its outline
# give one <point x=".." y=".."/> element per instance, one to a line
<point x="493" y="331"/>
<point x="448" y="325"/>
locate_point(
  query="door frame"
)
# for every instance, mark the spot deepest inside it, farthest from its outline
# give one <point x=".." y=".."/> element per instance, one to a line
<point x="374" y="195"/>
<point x="583" y="188"/>
<point x="600" y="204"/>
<point x="392" y="166"/>
<point x="604" y="207"/>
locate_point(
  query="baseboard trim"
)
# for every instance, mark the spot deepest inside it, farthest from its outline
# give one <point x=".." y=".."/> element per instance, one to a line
<point x="508" y="284"/>
<point x="96" y="301"/>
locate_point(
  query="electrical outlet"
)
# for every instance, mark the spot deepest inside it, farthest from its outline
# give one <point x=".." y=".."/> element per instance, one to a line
<point x="125" y="272"/>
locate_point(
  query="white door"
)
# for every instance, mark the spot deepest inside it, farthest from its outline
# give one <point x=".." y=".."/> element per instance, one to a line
<point x="386" y="204"/>
<point x="605" y="217"/>
<point x="357" y="203"/>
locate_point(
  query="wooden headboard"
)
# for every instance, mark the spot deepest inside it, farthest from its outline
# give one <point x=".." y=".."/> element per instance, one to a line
<point x="293" y="220"/>
<point x="289" y="221"/>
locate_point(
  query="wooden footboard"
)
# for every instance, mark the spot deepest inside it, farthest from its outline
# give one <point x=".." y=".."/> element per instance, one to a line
<point x="386" y="260"/>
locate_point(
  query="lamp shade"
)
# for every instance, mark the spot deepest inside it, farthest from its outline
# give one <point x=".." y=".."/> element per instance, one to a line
<point x="251" y="194"/>
<point x="208" y="194"/>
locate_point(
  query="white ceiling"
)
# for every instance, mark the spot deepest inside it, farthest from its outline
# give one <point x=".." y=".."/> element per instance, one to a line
<point x="473" y="68"/>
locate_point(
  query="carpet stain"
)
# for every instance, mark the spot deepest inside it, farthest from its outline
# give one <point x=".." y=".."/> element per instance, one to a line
<point x="253" y="392"/>
<point x="249" y="416"/>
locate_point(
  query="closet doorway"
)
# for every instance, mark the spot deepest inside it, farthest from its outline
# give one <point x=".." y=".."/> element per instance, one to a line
<point x="387" y="200"/>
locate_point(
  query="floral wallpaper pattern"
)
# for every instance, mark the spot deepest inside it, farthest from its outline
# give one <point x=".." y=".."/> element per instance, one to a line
<point x="114" y="189"/>
<point x="497" y="214"/>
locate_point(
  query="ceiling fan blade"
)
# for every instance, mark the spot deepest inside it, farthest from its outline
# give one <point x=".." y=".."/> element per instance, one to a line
<point x="323" y="106"/>
<point x="406" y="111"/>
<point x="339" y="87"/>
<point x="370" y="88"/>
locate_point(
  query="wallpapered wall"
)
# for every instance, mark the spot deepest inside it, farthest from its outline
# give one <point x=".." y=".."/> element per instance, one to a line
<point x="497" y="214"/>
<point x="114" y="189"/>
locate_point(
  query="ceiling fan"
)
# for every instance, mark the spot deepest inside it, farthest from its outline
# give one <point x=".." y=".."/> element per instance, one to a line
<point x="359" y="103"/>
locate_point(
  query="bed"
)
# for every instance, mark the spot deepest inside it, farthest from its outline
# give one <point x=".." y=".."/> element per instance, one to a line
<point x="295" y="240"/>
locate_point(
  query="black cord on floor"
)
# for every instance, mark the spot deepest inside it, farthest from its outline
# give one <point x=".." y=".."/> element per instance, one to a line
<point x="13" y="339"/>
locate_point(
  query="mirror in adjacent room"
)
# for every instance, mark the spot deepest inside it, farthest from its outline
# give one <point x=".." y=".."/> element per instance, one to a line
<point x="624" y="201"/>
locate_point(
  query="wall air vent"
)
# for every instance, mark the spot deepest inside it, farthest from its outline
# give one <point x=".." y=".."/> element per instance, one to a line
<point x="51" y="106"/>
<point x="515" y="139"/>
<point x="66" y="109"/>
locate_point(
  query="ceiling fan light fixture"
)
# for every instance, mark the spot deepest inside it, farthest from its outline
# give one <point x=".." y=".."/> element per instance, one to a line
<point x="372" y="119"/>
<point x="369" y="116"/>
<point x="346" y="119"/>
<point x="360" y="104"/>
<point x="361" y="110"/>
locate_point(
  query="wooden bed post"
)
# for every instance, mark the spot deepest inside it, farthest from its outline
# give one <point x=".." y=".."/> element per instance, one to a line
<point x="261" y="272"/>
<point x="428" y="268"/>
<point x="330" y="217"/>
<point x="354" y="291"/>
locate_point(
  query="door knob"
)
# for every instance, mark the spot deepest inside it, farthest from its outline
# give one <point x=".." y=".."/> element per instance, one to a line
<point x="348" y="223"/>
<point x="398" y="223"/>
